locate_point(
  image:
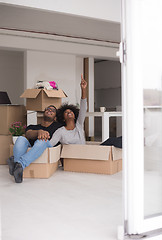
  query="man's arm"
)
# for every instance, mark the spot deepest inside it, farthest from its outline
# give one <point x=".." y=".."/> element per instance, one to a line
<point x="40" y="134"/>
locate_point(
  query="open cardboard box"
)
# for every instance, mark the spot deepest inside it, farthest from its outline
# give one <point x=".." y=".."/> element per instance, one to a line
<point x="92" y="158"/>
<point x="10" y="114"/>
<point x="39" y="99"/>
<point x="44" y="166"/>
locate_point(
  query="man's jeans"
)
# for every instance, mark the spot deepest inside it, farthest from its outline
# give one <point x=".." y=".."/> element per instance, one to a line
<point x="20" y="150"/>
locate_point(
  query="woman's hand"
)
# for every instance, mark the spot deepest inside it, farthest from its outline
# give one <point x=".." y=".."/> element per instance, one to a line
<point x="83" y="85"/>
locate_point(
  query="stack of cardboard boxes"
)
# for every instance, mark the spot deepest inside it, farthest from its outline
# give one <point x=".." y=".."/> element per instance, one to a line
<point x="9" y="114"/>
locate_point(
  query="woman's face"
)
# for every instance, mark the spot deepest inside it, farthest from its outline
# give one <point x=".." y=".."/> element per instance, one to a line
<point x="68" y="114"/>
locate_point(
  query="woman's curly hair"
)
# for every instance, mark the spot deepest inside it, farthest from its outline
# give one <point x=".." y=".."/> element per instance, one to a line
<point x="62" y="109"/>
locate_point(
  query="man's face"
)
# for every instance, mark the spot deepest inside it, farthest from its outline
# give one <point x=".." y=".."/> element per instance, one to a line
<point x="50" y="114"/>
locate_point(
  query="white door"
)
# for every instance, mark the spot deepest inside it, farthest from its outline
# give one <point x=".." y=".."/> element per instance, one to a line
<point x="142" y="110"/>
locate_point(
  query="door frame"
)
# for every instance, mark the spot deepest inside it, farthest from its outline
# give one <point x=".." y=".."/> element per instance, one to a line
<point x="133" y="146"/>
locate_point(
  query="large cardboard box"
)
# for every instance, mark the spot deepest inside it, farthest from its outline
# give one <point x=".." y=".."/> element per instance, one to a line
<point x="92" y="159"/>
<point x="39" y="99"/>
<point x="44" y="166"/>
<point x="5" y="141"/>
<point x="9" y="115"/>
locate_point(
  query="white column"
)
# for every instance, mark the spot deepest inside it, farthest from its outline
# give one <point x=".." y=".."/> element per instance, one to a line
<point x="105" y="126"/>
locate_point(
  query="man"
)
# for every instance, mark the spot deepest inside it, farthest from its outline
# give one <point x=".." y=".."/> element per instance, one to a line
<point x="37" y="137"/>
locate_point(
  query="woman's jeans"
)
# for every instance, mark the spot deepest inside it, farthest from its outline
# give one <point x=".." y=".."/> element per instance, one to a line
<point x="20" y="150"/>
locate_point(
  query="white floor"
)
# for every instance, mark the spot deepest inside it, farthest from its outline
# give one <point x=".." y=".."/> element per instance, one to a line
<point x="75" y="206"/>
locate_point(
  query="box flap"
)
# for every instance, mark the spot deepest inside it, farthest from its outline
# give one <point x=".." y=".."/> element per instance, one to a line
<point x="116" y="153"/>
<point x="54" y="154"/>
<point x="55" y="93"/>
<point x="92" y="152"/>
<point x="30" y="93"/>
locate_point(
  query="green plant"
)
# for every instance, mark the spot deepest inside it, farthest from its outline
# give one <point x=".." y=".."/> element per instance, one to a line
<point x="17" y="129"/>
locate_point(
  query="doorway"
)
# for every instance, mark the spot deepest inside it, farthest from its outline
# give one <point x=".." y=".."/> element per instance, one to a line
<point x="107" y="93"/>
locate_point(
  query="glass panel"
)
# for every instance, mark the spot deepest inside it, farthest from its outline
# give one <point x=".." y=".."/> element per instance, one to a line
<point x="151" y="51"/>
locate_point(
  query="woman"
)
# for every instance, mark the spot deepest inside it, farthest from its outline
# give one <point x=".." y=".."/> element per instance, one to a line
<point x="73" y="119"/>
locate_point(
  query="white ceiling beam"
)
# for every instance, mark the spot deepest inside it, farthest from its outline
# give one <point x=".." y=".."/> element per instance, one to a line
<point x="58" y="44"/>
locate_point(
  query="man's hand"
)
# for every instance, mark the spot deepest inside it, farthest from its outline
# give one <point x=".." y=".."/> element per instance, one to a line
<point x="43" y="135"/>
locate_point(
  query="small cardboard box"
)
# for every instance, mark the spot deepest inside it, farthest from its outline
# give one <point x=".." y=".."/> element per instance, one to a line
<point x="9" y="115"/>
<point x="5" y="141"/>
<point x="44" y="166"/>
<point x="92" y="158"/>
<point x="39" y="99"/>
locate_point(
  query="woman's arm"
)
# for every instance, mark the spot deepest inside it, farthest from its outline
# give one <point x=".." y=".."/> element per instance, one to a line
<point x="83" y="101"/>
<point x="56" y="137"/>
<point x="83" y="85"/>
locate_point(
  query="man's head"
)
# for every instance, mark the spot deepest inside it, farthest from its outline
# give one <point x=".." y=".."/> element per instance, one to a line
<point x="50" y="113"/>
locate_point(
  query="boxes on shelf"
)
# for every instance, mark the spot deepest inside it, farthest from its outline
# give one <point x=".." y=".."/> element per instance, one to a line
<point x="39" y="99"/>
<point x="5" y="141"/>
<point x="92" y="158"/>
<point x="9" y="114"/>
<point x="44" y="166"/>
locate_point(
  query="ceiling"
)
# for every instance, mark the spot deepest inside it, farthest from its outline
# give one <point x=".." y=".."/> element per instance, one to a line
<point x="30" y="19"/>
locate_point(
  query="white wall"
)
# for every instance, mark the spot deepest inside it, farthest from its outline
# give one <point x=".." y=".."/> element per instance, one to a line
<point x="12" y="74"/>
<point x="101" y="9"/>
<point x="109" y="98"/>
<point x="60" y="68"/>
<point x="107" y="84"/>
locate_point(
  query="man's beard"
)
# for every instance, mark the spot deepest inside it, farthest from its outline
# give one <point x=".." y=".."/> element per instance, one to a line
<point x="48" y="119"/>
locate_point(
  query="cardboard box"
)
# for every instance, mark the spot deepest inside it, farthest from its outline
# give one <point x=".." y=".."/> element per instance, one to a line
<point x="44" y="166"/>
<point x="92" y="158"/>
<point x="5" y="141"/>
<point x="39" y="99"/>
<point x="10" y="114"/>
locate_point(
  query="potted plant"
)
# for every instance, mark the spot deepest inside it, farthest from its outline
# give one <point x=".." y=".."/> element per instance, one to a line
<point x="17" y="129"/>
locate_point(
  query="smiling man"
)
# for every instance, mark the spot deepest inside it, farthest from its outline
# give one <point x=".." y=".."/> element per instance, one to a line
<point x="36" y="137"/>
